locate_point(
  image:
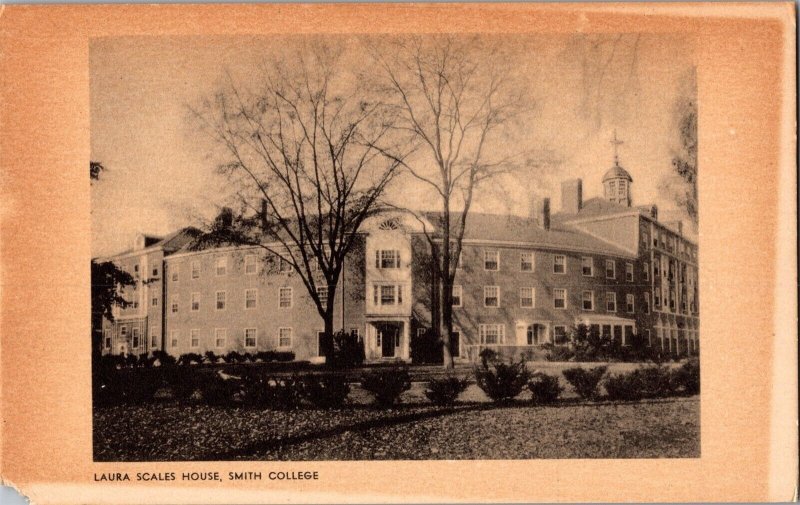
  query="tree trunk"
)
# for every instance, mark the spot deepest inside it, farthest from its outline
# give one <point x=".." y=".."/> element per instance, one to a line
<point x="446" y="291"/>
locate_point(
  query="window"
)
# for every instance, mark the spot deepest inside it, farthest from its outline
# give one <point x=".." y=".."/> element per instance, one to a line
<point x="250" y="265"/>
<point x="173" y="338"/>
<point x="195" y="302"/>
<point x="588" y="300"/>
<point x="154" y="301"/>
<point x="645" y="240"/>
<point x="628" y="272"/>
<point x="649" y="338"/>
<point x="135" y="338"/>
<point x="250" y="298"/>
<point x="559" y="264"/>
<point x="285" y="298"/>
<point x="284" y="337"/>
<point x="249" y="337"/>
<point x="526" y="262"/>
<point x="284" y="265"/>
<point x="107" y="342"/>
<point x="220" y="337"/>
<point x="136" y="271"/>
<point x="221" y="298"/>
<point x="657" y="298"/>
<point x="622" y="186"/>
<point x="154" y="337"/>
<point x="587" y="266"/>
<point x="629" y="303"/>
<point x="491" y="260"/>
<point x="174" y="304"/>
<point x="155" y="272"/>
<point x="492" y="333"/>
<point x="560" y="334"/>
<point x="195" y="269"/>
<point x="611" y="269"/>
<point x="387" y="294"/>
<point x="527" y="297"/>
<point x="457" y="292"/>
<point x="175" y="273"/>
<point x="647" y="303"/>
<point x="194" y="338"/>
<point x="656" y="267"/>
<point x="560" y="298"/>
<point x="421" y="332"/>
<point x="322" y="293"/>
<point x="646" y="271"/>
<point x="354" y="331"/>
<point x="123" y="331"/>
<point x="535" y="334"/>
<point x="491" y="296"/>
<point x="387" y="258"/>
<point x="221" y="266"/>
<point x="611" y="302"/>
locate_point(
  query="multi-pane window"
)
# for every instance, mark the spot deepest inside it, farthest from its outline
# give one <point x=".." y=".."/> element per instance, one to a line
<point x="221" y="265"/>
<point x="560" y="298"/>
<point x="656" y="267"/>
<point x="174" y="304"/>
<point x="322" y="293"/>
<point x="588" y="300"/>
<point x="492" y="333"/>
<point x="491" y="260"/>
<point x="645" y="240"/>
<point x="220" y="336"/>
<point x="387" y="258"/>
<point x="611" y="302"/>
<point x="249" y="337"/>
<point x="629" y="272"/>
<point x="195" y="302"/>
<point x="587" y="266"/>
<point x="536" y="334"/>
<point x="457" y="294"/>
<point x="195" y="269"/>
<point x="284" y="337"/>
<point x="135" y="338"/>
<point x="491" y="296"/>
<point x="175" y="273"/>
<point x="657" y="298"/>
<point x="250" y="265"/>
<point x="559" y="264"/>
<point x="107" y="339"/>
<point x="173" y="338"/>
<point x="560" y="334"/>
<point x="647" y="303"/>
<point x="155" y="272"/>
<point x="526" y="262"/>
<point x="154" y="301"/>
<point x="527" y="297"/>
<point x="646" y="271"/>
<point x="285" y="298"/>
<point x="250" y="298"/>
<point x="153" y="337"/>
<point x="221" y="300"/>
<point x="629" y="303"/>
<point x="387" y="294"/>
<point x="611" y="269"/>
<point x="194" y="338"/>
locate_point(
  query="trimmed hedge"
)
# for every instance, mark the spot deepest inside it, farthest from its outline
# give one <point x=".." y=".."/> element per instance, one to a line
<point x="585" y="380"/>
<point x="386" y="384"/>
<point x="445" y="390"/>
<point x="544" y="388"/>
<point x="502" y="381"/>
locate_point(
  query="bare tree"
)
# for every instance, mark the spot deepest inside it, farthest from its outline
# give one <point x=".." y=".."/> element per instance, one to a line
<point x="307" y="153"/>
<point x="453" y="95"/>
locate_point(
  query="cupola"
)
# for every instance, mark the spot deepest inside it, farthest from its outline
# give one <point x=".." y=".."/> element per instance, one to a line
<point x="617" y="181"/>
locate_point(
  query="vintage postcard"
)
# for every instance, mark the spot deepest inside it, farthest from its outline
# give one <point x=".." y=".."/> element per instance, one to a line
<point x="399" y="253"/>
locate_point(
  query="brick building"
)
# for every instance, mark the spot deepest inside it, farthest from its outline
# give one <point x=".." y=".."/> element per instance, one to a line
<point x="521" y="282"/>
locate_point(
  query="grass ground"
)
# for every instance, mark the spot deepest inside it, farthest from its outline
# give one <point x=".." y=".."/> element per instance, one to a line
<point x="473" y="429"/>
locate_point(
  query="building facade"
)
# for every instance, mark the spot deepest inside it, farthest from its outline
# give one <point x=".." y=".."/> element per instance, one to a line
<point x="521" y="282"/>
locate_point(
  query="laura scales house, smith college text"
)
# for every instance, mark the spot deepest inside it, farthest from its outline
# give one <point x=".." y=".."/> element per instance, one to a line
<point x="521" y="282"/>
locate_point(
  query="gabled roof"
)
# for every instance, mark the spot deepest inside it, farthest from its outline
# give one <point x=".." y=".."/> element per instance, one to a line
<point x="597" y="206"/>
<point x="517" y="229"/>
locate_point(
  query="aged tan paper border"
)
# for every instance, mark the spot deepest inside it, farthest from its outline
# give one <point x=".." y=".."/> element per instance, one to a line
<point x="745" y="55"/>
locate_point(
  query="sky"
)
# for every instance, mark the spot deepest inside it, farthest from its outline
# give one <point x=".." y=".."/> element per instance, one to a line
<point x="160" y="171"/>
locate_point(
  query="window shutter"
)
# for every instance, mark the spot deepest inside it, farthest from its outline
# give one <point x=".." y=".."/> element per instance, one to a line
<point x="399" y="295"/>
<point x="397" y="255"/>
<point x="377" y="259"/>
<point x="375" y="294"/>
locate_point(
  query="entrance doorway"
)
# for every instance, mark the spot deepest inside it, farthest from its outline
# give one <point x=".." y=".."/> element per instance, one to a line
<point x="388" y="335"/>
<point x="455" y="344"/>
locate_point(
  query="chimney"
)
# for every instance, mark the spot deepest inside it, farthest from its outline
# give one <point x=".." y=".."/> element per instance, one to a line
<point x="545" y="222"/>
<point x="571" y="196"/>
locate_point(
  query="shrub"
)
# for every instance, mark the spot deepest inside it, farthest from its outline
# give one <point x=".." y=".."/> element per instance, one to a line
<point x="502" y="381"/>
<point x="113" y="386"/>
<point x="386" y="384"/>
<point x="211" y="357"/>
<point x="182" y="382"/>
<point x="189" y="358"/>
<point x="268" y="356"/>
<point x="687" y="377"/>
<point x="625" y="386"/>
<point x="585" y="381"/>
<point x="558" y="353"/>
<point x="544" y="388"/>
<point x="262" y="390"/>
<point x="348" y="350"/>
<point x="233" y="357"/>
<point x="164" y="359"/>
<point x="657" y="381"/>
<point x="445" y="390"/>
<point x="487" y="356"/>
<point x="325" y="391"/>
<point x="217" y="390"/>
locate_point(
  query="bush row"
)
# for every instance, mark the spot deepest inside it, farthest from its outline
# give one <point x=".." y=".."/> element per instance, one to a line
<point x="161" y="358"/>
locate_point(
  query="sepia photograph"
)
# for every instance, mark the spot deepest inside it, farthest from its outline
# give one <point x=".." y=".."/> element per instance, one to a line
<point x="406" y="247"/>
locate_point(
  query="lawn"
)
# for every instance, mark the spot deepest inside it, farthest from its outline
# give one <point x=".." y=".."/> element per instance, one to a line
<point x="473" y="429"/>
